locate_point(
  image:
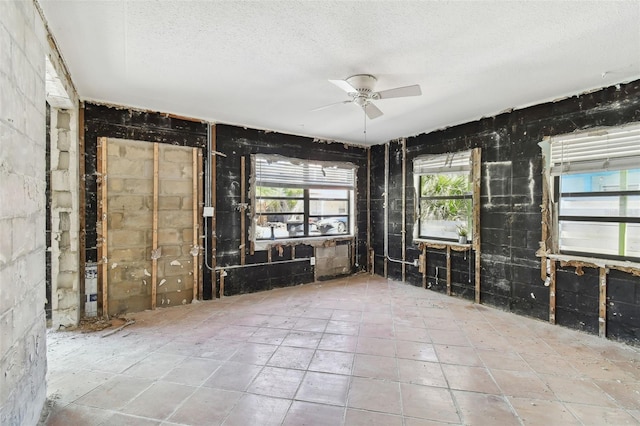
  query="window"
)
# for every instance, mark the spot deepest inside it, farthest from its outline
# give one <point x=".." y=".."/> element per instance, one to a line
<point x="295" y="198"/>
<point x="445" y="196"/>
<point x="596" y="192"/>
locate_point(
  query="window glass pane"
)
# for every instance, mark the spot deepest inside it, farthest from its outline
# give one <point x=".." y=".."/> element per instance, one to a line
<point x="444" y="218"/>
<point x="619" y="206"/>
<point x="445" y="185"/>
<point x="266" y="205"/>
<point x="632" y="235"/>
<point x="592" y="206"/>
<point x="617" y="180"/>
<point x="328" y="207"/>
<point x="340" y="194"/>
<point x="589" y="237"/>
<point x="332" y="225"/>
<point x="269" y="191"/>
<point x="633" y="180"/>
<point x="279" y="226"/>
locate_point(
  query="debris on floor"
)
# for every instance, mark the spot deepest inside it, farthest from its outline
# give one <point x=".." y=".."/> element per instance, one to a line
<point x="93" y="324"/>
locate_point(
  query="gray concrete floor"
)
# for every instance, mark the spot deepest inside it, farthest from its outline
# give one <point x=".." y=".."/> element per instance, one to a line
<point x="355" y="351"/>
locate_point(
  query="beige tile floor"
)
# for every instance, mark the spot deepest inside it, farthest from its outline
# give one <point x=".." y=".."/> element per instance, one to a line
<point x="355" y="351"/>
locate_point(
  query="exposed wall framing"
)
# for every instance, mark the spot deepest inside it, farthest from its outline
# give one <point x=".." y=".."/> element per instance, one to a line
<point x="103" y="280"/>
<point x="195" y="194"/>
<point x="154" y="230"/>
<point x="602" y="303"/>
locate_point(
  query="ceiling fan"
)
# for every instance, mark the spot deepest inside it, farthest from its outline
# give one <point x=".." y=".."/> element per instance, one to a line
<point x="360" y="88"/>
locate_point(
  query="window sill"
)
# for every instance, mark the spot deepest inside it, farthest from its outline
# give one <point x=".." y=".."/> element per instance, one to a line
<point x="311" y="241"/>
<point x="435" y="243"/>
<point x="595" y="262"/>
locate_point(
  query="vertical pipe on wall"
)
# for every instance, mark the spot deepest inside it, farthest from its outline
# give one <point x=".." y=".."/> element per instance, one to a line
<point x="102" y="216"/>
<point x="404" y="209"/>
<point x="194" y="195"/>
<point x="448" y="270"/>
<point x="197" y="258"/>
<point x="386" y="207"/>
<point x="370" y="266"/>
<point x="154" y="230"/>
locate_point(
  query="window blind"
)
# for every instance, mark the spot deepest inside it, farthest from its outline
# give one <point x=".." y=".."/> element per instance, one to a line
<point x="442" y="163"/>
<point x="275" y="170"/>
<point x="614" y="149"/>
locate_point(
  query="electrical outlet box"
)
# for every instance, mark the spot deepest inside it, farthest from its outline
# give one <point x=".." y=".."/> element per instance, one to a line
<point x="207" y="212"/>
<point x="312" y="261"/>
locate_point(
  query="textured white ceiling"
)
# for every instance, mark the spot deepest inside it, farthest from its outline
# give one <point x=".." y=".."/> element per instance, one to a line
<point x="265" y="64"/>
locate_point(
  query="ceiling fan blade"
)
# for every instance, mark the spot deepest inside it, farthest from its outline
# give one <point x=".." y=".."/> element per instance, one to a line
<point x="344" y="85"/>
<point x="400" y="92"/>
<point x="371" y="110"/>
<point x="330" y="105"/>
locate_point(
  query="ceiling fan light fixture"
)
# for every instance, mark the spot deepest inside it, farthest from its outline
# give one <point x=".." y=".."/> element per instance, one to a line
<point x="361" y="89"/>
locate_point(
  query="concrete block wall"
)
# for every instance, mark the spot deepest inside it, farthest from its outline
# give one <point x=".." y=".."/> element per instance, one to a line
<point x="22" y="213"/>
<point x="333" y="260"/>
<point x="130" y="202"/>
<point x="510" y="216"/>
<point x="65" y="303"/>
<point x="123" y="123"/>
<point x="130" y="173"/>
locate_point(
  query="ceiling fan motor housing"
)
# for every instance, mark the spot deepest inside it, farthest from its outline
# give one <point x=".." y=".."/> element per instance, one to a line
<point x="363" y="83"/>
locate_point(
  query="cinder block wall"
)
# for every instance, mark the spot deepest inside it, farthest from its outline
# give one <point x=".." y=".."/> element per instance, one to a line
<point x="510" y="216"/>
<point x="22" y="213"/>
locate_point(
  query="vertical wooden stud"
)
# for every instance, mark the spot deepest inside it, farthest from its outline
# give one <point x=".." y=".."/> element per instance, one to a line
<point x="194" y="196"/>
<point x="602" y="305"/>
<point x="552" y="291"/>
<point x="448" y="270"/>
<point x="243" y="208"/>
<point x="102" y="215"/>
<point x="476" y="176"/>
<point x="154" y="230"/>
<point x="223" y="274"/>
<point x="545" y="226"/>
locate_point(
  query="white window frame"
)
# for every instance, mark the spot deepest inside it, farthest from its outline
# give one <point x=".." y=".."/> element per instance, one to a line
<point x="594" y="152"/>
<point x="270" y="170"/>
<point x="460" y="162"/>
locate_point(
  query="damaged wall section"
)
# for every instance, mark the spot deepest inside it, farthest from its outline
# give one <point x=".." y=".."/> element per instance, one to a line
<point x="511" y="196"/>
<point x="283" y="270"/>
<point x="126" y="123"/>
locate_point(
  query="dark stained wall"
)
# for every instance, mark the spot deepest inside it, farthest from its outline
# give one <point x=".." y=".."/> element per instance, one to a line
<point x="127" y="123"/>
<point x="511" y="195"/>
<point x="236" y="142"/>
